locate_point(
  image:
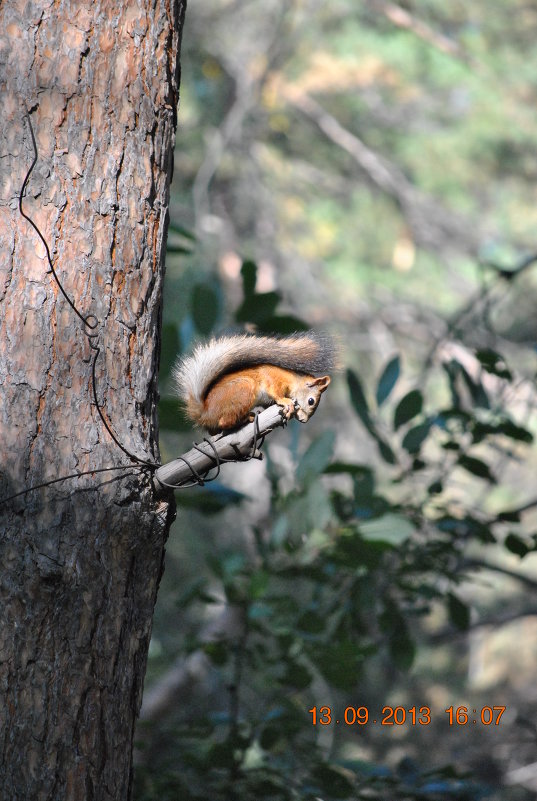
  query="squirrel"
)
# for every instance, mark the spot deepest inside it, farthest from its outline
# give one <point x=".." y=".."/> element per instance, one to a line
<point x="223" y="380"/>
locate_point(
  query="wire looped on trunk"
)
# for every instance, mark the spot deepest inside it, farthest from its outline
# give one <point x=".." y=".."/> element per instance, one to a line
<point x="90" y="325"/>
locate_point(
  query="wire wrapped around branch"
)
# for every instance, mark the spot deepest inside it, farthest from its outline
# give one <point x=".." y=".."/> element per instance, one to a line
<point x="194" y="466"/>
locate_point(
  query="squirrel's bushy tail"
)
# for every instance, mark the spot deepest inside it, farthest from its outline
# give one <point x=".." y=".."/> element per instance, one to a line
<point x="309" y="353"/>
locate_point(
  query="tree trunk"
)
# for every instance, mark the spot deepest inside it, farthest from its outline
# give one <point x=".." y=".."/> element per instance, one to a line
<point x="81" y="560"/>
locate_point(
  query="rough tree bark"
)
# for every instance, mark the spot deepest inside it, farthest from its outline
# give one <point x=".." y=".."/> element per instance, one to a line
<point x="81" y="561"/>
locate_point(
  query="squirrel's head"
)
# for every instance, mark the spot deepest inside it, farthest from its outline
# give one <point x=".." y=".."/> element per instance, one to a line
<point x="308" y="396"/>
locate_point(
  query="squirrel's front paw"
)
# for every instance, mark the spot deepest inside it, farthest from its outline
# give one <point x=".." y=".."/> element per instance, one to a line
<point x="287" y="409"/>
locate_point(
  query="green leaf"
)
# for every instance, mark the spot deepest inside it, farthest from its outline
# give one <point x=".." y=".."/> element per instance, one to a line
<point x="316" y="458"/>
<point x="388" y="379"/>
<point x="358" y="399"/>
<point x="249" y="277"/>
<point x="181" y="231"/>
<point x="509" y="516"/>
<point x="514" y="431"/>
<point x="361" y="407"/>
<point x="311" y="623"/>
<point x="476" y="467"/>
<point x="368" y="505"/>
<point x="257" y="308"/>
<point x="506" y="427"/>
<point x="357" y="470"/>
<point x="178" y="249"/>
<point x="218" y="652"/>
<point x="270" y="735"/>
<point x="307" y="509"/>
<point x="389" y="528"/>
<point x="451" y="446"/>
<point x="400" y="643"/>
<point x="477" y="390"/>
<point x="340" y="661"/>
<point x="363" y="486"/>
<point x="466" y="527"/>
<point x="385" y="450"/>
<point x="516" y="545"/>
<point x="259" y="581"/>
<point x="407" y="408"/>
<point x="493" y="363"/>
<point x="222" y="755"/>
<point x="480" y="430"/>
<point x="416" y="436"/>
<point x="402" y="648"/>
<point x="281" y="324"/>
<point x="204" y="306"/>
<point x="343" y="505"/>
<point x="459" y="613"/>
<point x="458" y="377"/>
<point x="296" y="675"/>
<point x="352" y="551"/>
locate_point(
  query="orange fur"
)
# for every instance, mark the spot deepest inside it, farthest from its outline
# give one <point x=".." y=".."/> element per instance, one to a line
<point x="231" y="399"/>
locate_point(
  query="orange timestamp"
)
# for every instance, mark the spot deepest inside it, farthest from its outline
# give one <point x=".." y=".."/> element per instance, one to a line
<point x="360" y="716"/>
<point x="400" y="715"/>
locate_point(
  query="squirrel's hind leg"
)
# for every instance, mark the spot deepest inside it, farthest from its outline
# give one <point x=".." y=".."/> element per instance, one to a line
<point x="229" y="402"/>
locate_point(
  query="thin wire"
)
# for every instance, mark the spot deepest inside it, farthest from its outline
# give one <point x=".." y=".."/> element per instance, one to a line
<point x="202" y="478"/>
<point x="90" y="322"/>
<point x="65" y="478"/>
<point x="199" y="479"/>
<point x="87" y="324"/>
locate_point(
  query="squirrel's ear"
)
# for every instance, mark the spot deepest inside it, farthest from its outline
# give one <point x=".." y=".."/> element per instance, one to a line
<point x="320" y="383"/>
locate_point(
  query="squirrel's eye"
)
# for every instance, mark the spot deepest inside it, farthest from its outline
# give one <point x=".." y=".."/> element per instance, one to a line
<point x="311" y="401"/>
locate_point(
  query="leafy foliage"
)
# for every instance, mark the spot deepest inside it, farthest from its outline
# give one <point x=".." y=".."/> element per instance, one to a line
<point x="335" y="581"/>
<point x="362" y="164"/>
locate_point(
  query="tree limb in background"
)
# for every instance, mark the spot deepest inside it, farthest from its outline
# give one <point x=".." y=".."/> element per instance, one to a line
<point x="193" y="671"/>
<point x="483" y="564"/>
<point x="403" y="19"/>
<point x="247" y="84"/>
<point x="478" y="301"/>
<point x="449" y="634"/>
<point x="433" y="226"/>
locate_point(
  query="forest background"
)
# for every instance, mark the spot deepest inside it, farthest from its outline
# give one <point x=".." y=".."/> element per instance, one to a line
<point x="367" y="169"/>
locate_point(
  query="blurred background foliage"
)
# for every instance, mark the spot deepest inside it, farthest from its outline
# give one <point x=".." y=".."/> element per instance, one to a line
<point x="368" y="169"/>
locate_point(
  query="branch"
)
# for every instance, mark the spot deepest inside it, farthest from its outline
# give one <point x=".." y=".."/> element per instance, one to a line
<point x="433" y="226"/>
<point x="482" y="564"/>
<point x="237" y="446"/>
<point x="193" y="671"/>
<point x="403" y="19"/>
<point x="450" y="633"/>
<point x="215" y="150"/>
<point x="179" y="680"/>
<point x="524" y="508"/>
<point x="479" y="298"/>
